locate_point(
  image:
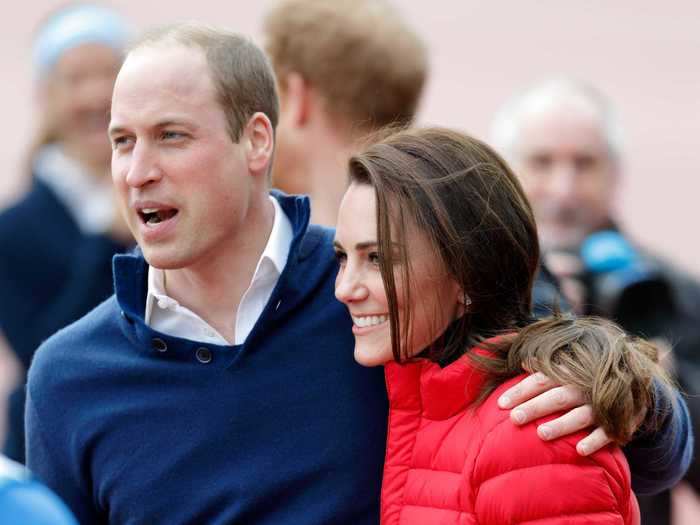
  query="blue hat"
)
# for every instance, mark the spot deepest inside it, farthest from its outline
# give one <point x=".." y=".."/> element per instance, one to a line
<point x="77" y="25"/>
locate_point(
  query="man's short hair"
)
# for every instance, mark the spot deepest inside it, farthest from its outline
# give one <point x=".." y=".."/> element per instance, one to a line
<point x="549" y="95"/>
<point x="242" y="74"/>
<point x="368" y="65"/>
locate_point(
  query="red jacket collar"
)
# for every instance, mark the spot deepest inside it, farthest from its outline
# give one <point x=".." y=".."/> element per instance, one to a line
<point x="439" y="393"/>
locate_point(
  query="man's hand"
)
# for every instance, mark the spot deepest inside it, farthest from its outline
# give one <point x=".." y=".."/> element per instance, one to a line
<point x="537" y="396"/>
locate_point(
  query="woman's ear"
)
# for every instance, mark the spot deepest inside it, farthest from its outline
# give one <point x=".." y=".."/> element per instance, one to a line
<point x="463" y="302"/>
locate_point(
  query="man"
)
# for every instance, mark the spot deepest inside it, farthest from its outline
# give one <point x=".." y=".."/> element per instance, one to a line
<point x="345" y="69"/>
<point x="218" y="385"/>
<point x="565" y="142"/>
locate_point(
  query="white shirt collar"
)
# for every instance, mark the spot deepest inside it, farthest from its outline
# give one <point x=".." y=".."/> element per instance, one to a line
<point x="166" y="315"/>
<point x="88" y="199"/>
<point x="277" y="247"/>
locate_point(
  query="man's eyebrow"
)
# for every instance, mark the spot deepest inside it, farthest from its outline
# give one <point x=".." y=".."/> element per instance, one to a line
<point x="159" y="125"/>
<point x="174" y="122"/>
<point x="114" y="130"/>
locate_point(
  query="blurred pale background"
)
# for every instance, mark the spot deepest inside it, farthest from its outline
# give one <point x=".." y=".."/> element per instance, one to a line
<point x="643" y="54"/>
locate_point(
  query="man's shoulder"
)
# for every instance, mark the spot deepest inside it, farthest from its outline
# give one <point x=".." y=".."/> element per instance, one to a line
<point x="315" y="255"/>
<point x="683" y="283"/>
<point x="67" y="347"/>
<point x="317" y="236"/>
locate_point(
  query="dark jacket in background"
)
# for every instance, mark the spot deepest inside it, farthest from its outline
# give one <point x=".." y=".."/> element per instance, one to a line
<point x="51" y="274"/>
<point x="666" y="306"/>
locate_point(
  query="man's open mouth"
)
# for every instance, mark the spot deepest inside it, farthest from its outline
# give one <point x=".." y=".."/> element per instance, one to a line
<point x="153" y="216"/>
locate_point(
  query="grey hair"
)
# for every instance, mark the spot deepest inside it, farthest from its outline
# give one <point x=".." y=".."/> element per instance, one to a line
<point x="546" y="96"/>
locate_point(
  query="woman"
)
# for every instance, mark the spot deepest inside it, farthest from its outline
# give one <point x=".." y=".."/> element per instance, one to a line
<point x="438" y="251"/>
<point x="58" y="240"/>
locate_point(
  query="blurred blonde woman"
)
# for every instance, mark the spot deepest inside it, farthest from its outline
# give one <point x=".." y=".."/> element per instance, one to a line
<point x="56" y="243"/>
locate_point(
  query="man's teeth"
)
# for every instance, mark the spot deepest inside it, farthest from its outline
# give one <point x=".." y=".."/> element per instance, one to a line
<point x="151" y="215"/>
<point x="370" y="320"/>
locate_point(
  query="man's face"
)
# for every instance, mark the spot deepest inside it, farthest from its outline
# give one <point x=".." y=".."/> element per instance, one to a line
<point x="566" y="170"/>
<point x="183" y="185"/>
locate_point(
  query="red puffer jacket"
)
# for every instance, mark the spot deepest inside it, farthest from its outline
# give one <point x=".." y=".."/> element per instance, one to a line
<point x="451" y="462"/>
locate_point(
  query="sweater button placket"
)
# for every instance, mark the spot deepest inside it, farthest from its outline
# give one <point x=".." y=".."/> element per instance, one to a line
<point x="203" y="355"/>
<point x="159" y="345"/>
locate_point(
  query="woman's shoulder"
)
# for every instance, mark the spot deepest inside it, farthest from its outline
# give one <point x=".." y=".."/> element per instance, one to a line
<point x="512" y="452"/>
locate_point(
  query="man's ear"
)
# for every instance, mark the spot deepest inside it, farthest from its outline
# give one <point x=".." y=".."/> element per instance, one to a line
<point x="260" y="142"/>
<point x="296" y="99"/>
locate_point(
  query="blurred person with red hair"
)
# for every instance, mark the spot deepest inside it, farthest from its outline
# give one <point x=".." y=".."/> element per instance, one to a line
<point x="58" y="240"/>
<point x="345" y="69"/>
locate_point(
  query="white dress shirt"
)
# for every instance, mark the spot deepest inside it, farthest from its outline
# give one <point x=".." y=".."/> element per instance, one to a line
<point x="166" y="315"/>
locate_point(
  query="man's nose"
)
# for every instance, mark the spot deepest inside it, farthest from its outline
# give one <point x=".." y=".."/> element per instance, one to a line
<point x="564" y="182"/>
<point x="144" y="167"/>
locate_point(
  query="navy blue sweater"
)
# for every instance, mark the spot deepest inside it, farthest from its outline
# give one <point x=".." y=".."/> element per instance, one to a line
<point x="130" y="425"/>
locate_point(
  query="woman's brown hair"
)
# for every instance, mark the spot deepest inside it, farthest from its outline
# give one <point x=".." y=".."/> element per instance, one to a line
<point x="466" y="200"/>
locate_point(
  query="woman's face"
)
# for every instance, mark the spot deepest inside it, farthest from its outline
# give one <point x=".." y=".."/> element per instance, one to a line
<point x="434" y="295"/>
<point x="77" y="93"/>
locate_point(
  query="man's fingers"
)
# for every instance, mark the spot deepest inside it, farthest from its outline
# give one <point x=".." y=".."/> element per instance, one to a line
<point x="593" y="442"/>
<point x="573" y="421"/>
<point x="549" y="402"/>
<point x="525" y="390"/>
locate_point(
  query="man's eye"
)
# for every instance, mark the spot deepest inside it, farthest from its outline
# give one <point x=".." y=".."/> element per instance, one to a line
<point x="121" y="141"/>
<point x="171" y="135"/>
<point x="341" y="257"/>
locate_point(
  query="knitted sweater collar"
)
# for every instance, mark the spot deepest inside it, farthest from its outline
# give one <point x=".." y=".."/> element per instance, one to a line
<point x="130" y="270"/>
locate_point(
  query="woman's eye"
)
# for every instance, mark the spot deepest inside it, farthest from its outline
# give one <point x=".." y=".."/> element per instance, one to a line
<point x="374" y="258"/>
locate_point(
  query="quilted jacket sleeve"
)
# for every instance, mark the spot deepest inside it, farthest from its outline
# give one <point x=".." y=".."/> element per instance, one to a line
<point x="518" y="478"/>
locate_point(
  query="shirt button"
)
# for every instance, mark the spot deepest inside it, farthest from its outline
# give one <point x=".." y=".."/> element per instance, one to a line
<point x="203" y="355"/>
<point x="159" y="345"/>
